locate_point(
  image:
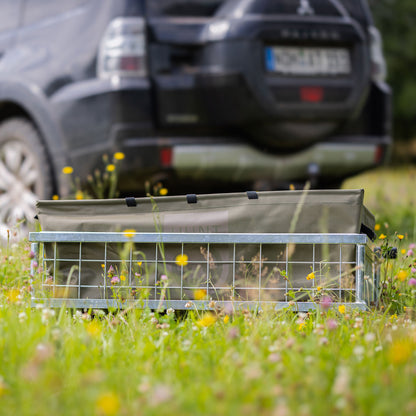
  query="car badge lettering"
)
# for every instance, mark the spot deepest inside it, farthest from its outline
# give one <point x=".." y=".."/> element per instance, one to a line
<point x="305" y="8"/>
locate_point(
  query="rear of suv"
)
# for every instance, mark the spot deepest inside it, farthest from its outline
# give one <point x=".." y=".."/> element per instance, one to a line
<point x="200" y="94"/>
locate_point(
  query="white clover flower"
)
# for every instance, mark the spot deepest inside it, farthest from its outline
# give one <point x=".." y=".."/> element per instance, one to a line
<point x="22" y="317"/>
<point x="170" y="311"/>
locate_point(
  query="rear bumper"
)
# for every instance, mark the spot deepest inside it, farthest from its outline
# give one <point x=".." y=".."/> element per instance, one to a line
<point x="242" y="163"/>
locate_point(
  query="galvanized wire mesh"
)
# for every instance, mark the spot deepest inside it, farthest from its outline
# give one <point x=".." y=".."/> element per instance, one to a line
<point x="161" y="270"/>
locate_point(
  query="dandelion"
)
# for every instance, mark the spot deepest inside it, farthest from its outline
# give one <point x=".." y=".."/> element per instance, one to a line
<point x="108" y="404"/>
<point x="412" y="282"/>
<point x="377" y="227"/>
<point x="181" y="260"/>
<point x="67" y="170"/>
<point x="382" y="236"/>
<point x="318" y="288"/>
<point x="55" y="197"/>
<point x="110" y="168"/>
<point x="400" y="352"/>
<point x="115" y="280"/>
<point x="129" y="233"/>
<point x="79" y="195"/>
<point x="122" y="277"/>
<point x="341" y="309"/>
<point x="13" y="295"/>
<point x="163" y="192"/>
<point x="207" y="320"/>
<point x="402" y="275"/>
<point x="226" y="319"/>
<point x="119" y="156"/>
<point x="139" y="263"/>
<point x="200" y="294"/>
<point x="403" y="251"/>
<point x="400" y="236"/>
<point x="310" y="276"/>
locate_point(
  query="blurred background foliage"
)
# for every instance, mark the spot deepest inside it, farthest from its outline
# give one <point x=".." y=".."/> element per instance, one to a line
<point x="396" y="20"/>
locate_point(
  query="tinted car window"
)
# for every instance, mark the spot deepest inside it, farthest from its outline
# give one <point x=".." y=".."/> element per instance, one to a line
<point x="202" y="8"/>
<point x="319" y="7"/>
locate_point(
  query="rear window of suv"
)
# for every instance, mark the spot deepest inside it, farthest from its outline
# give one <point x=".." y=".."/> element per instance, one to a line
<point x="198" y="8"/>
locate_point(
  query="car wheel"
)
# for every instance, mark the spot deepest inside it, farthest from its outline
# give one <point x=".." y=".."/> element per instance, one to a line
<point x="25" y="174"/>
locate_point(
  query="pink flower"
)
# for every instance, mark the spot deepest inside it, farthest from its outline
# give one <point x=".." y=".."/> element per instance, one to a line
<point x="115" y="280"/>
<point x="326" y="303"/>
<point x="412" y="246"/>
<point x="413" y="270"/>
<point x="332" y="324"/>
<point x="163" y="278"/>
<point x="412" y="282"/>
<point x="410" y="253"/>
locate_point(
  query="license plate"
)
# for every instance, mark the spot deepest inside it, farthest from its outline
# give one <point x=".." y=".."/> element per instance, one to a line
<point x="308" y="61"/>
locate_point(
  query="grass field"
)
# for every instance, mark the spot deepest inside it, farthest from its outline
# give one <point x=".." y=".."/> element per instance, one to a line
<point x="332" y="362"/>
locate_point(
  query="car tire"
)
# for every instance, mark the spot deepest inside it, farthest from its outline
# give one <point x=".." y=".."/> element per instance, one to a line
<point x="25" y="172"/>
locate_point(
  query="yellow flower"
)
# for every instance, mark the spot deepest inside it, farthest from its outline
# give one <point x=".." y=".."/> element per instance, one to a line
<point x="402" y="275"/>
<point x="226" y="319"/>
<point x="110" y="168"/>
<point x="382" y="237"/>
<point x="403" y="251"/>
<point x="207" y="320"/>
<point x="341" y="309"/>
<point x="79" y="195"/>
<point x="200" y="294"/>
<point x="163" y="192"/>
<point x="318" y="288"/>
<point x="181" y="259"/>
<point x="122" y="277"/>
<point x="377" y="227"/>
<point x="139" y="263"/>
<point x="400" y="352"/>
<point x="12" y="295"/>
<point x="400" y="236"/>
<point x="107" y="404"/>
<point x="93" y="328"/>
<point x="301" y="326"/>
<point x="310" y="276"/>
<point x="119" y="156"/>
<point x="67" y="170"/>
<point x="55" y="197"/>
<point x="129" y="233"/>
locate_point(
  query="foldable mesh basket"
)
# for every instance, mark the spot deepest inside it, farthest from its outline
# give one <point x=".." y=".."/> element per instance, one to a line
<point x="250" y="249"/>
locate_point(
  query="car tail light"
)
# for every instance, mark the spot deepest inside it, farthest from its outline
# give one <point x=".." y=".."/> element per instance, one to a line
<point x="311" y="94"/>
<point x="123" y="49"/>
<point x="166" y="157"/>
<point x="378" y="63"/>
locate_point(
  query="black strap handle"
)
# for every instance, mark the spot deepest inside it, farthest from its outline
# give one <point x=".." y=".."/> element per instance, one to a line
<point x="191" y="199"/>
<point x="131" y="201"/>
<point x="252" y="195"/>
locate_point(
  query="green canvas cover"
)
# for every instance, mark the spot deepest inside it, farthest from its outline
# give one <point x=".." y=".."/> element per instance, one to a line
<point x="314" y="211"/>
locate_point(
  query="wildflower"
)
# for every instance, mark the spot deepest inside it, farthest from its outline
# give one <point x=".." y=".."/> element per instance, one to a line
<point x="115" y="280"/>
<point x="332" y="324"/>
<point x="207" y="320"/>
<point x="341" y="309"/>
<point x="310" y="276"/>
<point x="163" y="192"/>
<point x="412" y="282"/>
<point x="188" y="305"/>
<point x="274" y="357"/>
<point x="301" y="326"/>
<point x="55" y="197"/>
<point x="139" y="263"/>
<point x="410" y="253"/>
<point x="402" y="275"/>
<point x="377" y="227"/>
<point x="119" y="156"/>
<point x="200" y="294"/>
<point x="403" y="251"/>
<point x="93" y="328"/>
<point x="163" y="278"/>
<point x="318" y="288"/>
<point x="326" y="303"/>
<point x="323" y="341"/>
<point x="181" y="260"/>
<point x="226" y="319"/>
<point x="110" y="168"/>
<point x="342" y="381"/>
<point x="47" y="314"/>
<point x="400" y="352"/>
<point x="79" y="195"/>
<point x="413" y="269"/>
<point x="382" y="236"/>
<point x="129" y="233"/>
<point x="67" y="170"/>
<point x="22" y="317"/>
<point x="400" y="236"/>
<point x="359" y="351"/>
<point x="170" y="311"/>
<point x="107" y="404"/>
<point x="161" y="394"/>
<point x="13" y="295"/>
<point x="370" y="337"/>
<point x="412" y="246"/>
<point x="110" y="272"/>
<point x="122" y="277"/>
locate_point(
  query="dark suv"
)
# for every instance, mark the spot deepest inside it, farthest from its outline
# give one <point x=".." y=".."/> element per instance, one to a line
<point x="201" y="94"/>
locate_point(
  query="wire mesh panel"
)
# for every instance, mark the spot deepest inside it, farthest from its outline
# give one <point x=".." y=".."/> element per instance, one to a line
<point x="162" y="270"/>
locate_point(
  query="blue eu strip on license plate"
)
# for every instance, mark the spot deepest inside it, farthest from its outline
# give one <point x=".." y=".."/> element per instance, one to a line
<point x="270" y="61"/>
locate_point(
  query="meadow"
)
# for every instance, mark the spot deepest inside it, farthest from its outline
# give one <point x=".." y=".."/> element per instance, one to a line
<point x="333" y="361"/>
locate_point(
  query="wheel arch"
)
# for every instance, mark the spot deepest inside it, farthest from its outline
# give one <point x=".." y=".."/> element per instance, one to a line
<point x="19" y="100"/>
